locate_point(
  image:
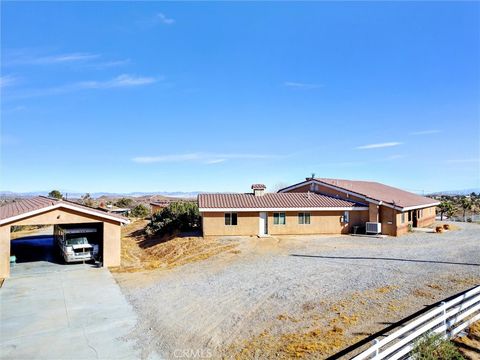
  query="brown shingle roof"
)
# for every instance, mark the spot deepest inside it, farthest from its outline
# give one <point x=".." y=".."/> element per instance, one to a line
<point x="380" y="192"/>
<point x="26" y="206"/>
<point x="272" y="201"/>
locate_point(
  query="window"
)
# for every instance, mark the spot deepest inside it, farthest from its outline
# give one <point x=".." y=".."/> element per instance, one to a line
<point x="230" y="218"/>
<point x="403" y="218"/>
<point x="304" y="218"/>
<point x="346" y="217"/>
<point x="420" y="213"/>
<point x="279" y="218"/>
<point x="409" y="216"/>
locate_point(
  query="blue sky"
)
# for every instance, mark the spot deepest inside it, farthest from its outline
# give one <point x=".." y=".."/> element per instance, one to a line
<point x="105" y="96"/>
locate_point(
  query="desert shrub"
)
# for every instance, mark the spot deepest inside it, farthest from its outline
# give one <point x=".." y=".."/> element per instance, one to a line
<point x="176" y="217"/>
<point x="55" y="194"/>
<point x="435" y="347"/>
<point x="140" y="211"/>
<point x="439" y="229"/>
<point x="124" y="203"/>
<point x="446" y="226"/>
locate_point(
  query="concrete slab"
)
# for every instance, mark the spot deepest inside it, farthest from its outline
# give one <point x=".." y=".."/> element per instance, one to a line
<point x="54" y="311"/>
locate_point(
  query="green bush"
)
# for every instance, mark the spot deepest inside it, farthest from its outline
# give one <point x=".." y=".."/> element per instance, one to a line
<point x="176" y="217"/>
<point x="140" y="211"/>
<point x="435" y="347"/>
<point x="55" y="194"/>
<point x="124" y="203"/>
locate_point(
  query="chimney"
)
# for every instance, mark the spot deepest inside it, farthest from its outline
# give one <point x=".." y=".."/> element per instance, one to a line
<point x="258" y="189"/>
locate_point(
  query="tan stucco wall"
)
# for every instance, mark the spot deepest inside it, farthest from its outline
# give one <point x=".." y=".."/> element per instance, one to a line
<point x="321" y="222"/>
<point x="214" y="224"/>
<point x="428" y="217"/>
<point x="111" y="244"/>
<point x="373" y="212"/>
<point x="389" y="220"/>
<point x="5" y="251"/>
<point x="111" y="234"/>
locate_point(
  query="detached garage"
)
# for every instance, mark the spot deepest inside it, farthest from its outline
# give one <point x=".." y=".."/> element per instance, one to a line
<point x="43" y="210"/>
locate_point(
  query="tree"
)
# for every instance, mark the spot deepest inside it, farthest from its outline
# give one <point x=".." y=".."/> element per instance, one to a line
<point x="140" y="211"/>
<point x="55" y="194"/>
<point x="466" y="204"/>
<point x="87" y="200"/>
<point x="124" y="203"/>
<point x="451" y="212"/>
<point x="445" y="207"/>
<point x="178" y="216"/>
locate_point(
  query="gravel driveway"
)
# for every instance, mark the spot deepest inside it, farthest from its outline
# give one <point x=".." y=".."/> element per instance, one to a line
<point x="277" y="290"/>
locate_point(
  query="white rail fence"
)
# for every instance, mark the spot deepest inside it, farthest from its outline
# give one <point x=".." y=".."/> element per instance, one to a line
<point x="449" y="319"/>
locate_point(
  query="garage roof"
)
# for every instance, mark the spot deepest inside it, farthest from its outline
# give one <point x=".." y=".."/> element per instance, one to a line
<point x="27" y="207"/>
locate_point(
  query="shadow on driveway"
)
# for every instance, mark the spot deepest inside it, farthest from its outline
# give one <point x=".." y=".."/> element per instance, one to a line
<point x="384" y="259"/>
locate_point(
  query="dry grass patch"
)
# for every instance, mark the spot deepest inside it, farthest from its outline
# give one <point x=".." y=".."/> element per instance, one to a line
<point x="140" y="252"/>
<point x="435" y="287"/>
<point x="423" y="294"/>
<point x="469" y="345"/>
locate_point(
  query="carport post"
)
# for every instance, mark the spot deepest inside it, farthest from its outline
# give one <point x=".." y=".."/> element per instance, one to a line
<point x="4" y="251"/>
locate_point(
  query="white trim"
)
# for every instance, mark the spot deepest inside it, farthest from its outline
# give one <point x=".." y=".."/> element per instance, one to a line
<point x="366" y="198"/>
<point x="419" y="206"/>
<point x="283" y="209"/>
<point x="62" y="205"/>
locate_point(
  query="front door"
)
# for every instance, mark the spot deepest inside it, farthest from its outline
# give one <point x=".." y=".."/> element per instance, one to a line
<point x="415" y="218"/>
<point x="263" y="224"/>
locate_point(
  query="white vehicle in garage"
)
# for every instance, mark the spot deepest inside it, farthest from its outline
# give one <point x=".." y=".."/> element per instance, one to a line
<point x="74" y="244"/>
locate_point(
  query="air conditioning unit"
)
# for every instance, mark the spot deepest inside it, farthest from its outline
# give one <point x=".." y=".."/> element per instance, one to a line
<point x="373" y="228"/>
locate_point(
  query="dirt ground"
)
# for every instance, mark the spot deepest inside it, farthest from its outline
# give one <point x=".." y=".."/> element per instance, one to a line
<point x="469" y="345"/>
<point x="303" y="297"/>
<point x="140" y="252"/>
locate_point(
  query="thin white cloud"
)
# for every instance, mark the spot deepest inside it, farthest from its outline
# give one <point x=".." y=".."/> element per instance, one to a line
<point x="163" y="19"/>
<point x="24" y="58"/>
<point x="215" y="161"/>
<point x="207" y="158"/>
<point x="166" y="158"/>
<point x="425" y="132"/>
<point x="13" y="57"/>
<point x="123" y="80"/>
<point x="7" y="80"/>
<point x="299" y="85"/>
<point x="379" y="145"/>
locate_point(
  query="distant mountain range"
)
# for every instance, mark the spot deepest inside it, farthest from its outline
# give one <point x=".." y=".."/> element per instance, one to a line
<point x="175" y="194"/>
<point x="457" y="192"/>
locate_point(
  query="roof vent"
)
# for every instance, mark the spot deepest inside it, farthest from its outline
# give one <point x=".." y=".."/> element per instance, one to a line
<point x="258" y="189"/>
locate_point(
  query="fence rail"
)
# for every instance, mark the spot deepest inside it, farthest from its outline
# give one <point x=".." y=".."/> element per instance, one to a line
<point x="449" y="319"/>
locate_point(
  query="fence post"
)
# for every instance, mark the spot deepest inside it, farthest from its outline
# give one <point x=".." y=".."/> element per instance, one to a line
<point x="377" y="351"/>
<point x="444" y="314"/>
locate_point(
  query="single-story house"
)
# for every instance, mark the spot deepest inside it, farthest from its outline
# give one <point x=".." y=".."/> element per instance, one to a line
<point x="315" y="206"/>
<point x="157" y="206"/>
